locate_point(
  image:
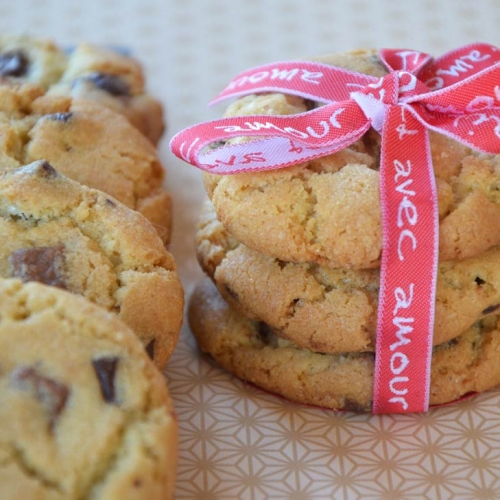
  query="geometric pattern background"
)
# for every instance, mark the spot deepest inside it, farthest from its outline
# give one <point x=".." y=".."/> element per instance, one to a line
<point x="240" y="442"/>
<point x="236" y="441"/>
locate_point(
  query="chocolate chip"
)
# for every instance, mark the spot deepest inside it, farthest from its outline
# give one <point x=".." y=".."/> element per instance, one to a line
<point x="51" y="394"/>
<point x="150" y="349"/>
<point x="13" y="63"/>
<point x="479" y="281"/>
<point x="310" y="104"/>
<point x="112" y="84"/>
<point x="105" y="369"/>
<point x="217" y="144"/>
<point x="47" y="170"/>
<point x="41" y="168"/>
<point x="491" y="309"/>
<point x="42" y="264"/>
<point x="354" y="406"/>
<point x="281" y="263"/>
<point x="231" y="292"/>
<point x="60" y="117"/>
<point x="266" y="335"/>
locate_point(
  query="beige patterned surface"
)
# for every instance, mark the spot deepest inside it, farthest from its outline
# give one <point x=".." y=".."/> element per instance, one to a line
<point x="236" y="441"/>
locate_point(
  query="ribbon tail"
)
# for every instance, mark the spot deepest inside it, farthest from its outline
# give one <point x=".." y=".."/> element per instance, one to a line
<point x="479" y="130"/>
<point x="405" y="322"/>
<point x="458" y="64"/>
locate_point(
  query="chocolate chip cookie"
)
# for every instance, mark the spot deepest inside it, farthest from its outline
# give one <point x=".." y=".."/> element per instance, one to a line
<point x="87" y="142"/>
<point x="88" y="72"/>
<point x="328" y="211"/>
<point x="333" y="309"/>
<point x="25" y="59"/>
<point x="59" y="232"/>
<point x="115" y="81"/>
<point x="85" y="414"/>
<point x="252" y="352"/>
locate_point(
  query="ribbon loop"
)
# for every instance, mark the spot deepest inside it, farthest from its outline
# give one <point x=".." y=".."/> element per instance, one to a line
<point x="411" y="61"/>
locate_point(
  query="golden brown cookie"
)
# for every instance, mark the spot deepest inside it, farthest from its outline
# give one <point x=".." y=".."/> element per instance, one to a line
<point x="115" y="81"/>
<point x="335" y="310"/>
<point x="252" y="352"/>
<point x="25" y="59"/>
<point x="89" y="72"/>
<point x="85" y="414"/>
<point x="327" y="210"/>
<point x="59" y="232"/>
<point x="88" y="143"/>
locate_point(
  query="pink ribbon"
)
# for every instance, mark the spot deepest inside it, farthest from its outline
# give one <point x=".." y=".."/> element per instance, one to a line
<point x="457" y="95"/>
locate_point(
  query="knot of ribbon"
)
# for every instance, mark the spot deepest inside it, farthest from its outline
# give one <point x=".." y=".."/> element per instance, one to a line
<point x="457" y="95"/>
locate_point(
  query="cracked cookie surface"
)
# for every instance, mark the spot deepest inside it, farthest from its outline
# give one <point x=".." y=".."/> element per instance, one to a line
<point x="85" y="414"/>
<point x="335" y="310"/>
<point x="88" y="143"/>
<point x="61" y="233"/>
<point x="327" y="211"/>
<point x="252" y="352"/>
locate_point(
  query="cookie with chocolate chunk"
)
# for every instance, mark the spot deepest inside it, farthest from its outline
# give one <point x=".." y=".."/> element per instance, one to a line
<point x="88" y="72"/>
<point x="113" y="80"/>
<point x="88" y="143"/>
<point x="327" y="210"/>
<point x="61" y="233"/>
<point x="85" y="413"/>
<point x="26" y="59"/>
<point x="335" y="310"/>
<point x="254" y="353"/>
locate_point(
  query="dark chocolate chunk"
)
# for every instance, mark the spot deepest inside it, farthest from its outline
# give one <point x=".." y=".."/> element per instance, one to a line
<point x="105" y="369"/>
<point x="60" y="117"/>
<point x="310" y="104"/>
<point x="14" y="63"/>
<point x="281" y="263"/>
<point x="231" y="292"/>
<point x="452" y="343"/>
<point x="43" y="169"/>
<point x="42" y="264"/>
<point x="354" y="406"/>
<point x="112" y="84"/>
<point x="217" y="144"/>
<point x="51" y="394"/>
<point x="479" y="281"/>
<point x="491" y="309"/>
<point x="150" y="348"/>
<point x="266" y="335"/>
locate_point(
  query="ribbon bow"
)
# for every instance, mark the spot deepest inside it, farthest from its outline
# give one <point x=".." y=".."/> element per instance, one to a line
<point x="457" y="95"/>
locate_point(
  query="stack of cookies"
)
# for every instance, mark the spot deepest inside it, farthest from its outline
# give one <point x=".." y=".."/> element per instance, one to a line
<point x="294" y="260"/>
<point x="91" y="303"/>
